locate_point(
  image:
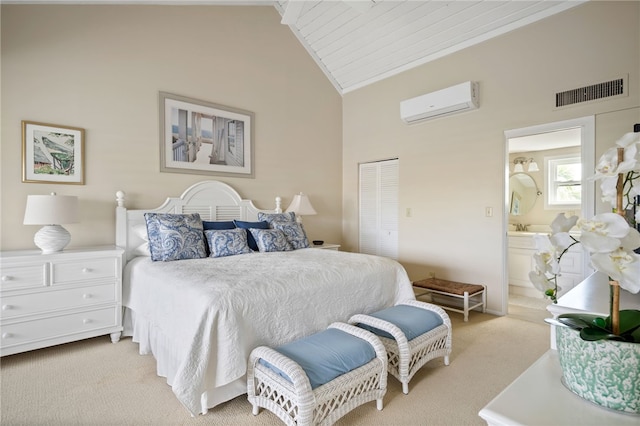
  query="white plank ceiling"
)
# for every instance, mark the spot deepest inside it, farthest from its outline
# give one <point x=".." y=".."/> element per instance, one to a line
<point x="360" y="42"/>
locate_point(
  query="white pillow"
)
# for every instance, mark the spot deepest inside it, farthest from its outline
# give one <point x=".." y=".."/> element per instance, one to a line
<point x="140" y="231"/>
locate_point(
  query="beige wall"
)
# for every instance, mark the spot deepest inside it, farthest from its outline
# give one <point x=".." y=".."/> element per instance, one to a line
<point x="454" y="167"/>
<point x="101" y="68"/>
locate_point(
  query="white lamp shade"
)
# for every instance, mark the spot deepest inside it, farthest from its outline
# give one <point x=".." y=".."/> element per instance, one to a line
<point x="301" y="205"/>
<point x="51" y="209"/>
<point x="518" y="168"/>
<point x="533" y="166"/>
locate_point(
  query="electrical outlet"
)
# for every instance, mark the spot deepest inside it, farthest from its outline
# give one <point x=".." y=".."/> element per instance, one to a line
<point x="432" y="274"/>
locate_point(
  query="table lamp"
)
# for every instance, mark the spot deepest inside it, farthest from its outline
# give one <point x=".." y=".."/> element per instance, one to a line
<point x="51" y="211"/>
<point x="301" y="206"/>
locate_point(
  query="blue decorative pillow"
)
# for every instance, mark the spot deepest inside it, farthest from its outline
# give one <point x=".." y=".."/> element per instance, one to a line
<point x="227" y="242"/>
<point x="294" y="232"/>
<point x="277" y="217"/>
<point x="175" y="236"/>
<point x="271" y="240"/>
<point x="225" y="224"/>
<point x="248" y="225"/>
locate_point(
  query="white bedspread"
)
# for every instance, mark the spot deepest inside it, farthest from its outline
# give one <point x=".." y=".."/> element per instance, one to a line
<point x="215" y="311"/>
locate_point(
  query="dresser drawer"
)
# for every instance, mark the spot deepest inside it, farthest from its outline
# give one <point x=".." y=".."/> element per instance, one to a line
<point x="47" y="301"/>
<point x="23" y="277"/>
<point x="83" y="270"/>
<point x="57" y="327"/>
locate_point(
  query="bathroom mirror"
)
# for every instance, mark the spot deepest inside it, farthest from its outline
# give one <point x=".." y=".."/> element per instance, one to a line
<point x="524" y="193"/>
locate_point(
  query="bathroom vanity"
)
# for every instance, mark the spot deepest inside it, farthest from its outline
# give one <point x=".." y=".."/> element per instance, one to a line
<point x="521" y="250"/>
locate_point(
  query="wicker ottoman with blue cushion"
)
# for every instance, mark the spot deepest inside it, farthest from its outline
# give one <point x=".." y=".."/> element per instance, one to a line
<point x="320" y="378"/>
<point x="413" y="333"/>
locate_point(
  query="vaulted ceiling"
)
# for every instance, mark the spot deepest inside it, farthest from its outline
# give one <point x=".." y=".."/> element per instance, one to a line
<point x="359" y="42"/>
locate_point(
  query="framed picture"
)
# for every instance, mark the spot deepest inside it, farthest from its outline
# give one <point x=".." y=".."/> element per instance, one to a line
<point x="204" y="138"/>
<point x="52" y="153"/>
<point x="515" y="203"/>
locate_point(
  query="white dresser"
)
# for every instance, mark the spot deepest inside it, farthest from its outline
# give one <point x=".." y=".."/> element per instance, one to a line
<point x="49" y="299"/>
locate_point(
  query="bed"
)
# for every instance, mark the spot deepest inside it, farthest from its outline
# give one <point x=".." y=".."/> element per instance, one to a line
<point x="200" y="318"/>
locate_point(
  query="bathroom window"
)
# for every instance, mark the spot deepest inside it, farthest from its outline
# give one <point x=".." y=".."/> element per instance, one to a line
<point x="564" y="181"/>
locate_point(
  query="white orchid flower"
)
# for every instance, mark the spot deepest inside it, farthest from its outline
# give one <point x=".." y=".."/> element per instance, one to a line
<point x="562" y="223"/>
<point x="620" y="265"/>
<point x="631" y="241"/>
<point x="560" y="228"/>
<point x="628" y="139"/>
<point x="562" y="241"/>
<point x="609" y="190"/>
<point x="546" y="258"/>
<point x="540" y="281"/>
<point x="603" y="233"/>
<point x="608" y="164"/>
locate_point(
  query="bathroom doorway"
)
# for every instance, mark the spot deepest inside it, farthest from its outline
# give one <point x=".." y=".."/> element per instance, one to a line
<point x="529" y="208"/>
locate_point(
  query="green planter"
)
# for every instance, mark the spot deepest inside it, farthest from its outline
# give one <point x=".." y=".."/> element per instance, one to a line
<point x="604" y="372"/>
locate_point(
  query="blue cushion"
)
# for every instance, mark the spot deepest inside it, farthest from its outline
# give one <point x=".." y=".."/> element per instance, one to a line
<point x="175" y="236"/>
<point x="248" y="225"/>
<point x="294" y="232"/>
<point x="222" y="224"/>
<point x="412" y="321"/>
<point x="326" y="355"/>
<point x="271" y="240"/>
<point x="277" y="217"/>
<point x="227" y="242"/>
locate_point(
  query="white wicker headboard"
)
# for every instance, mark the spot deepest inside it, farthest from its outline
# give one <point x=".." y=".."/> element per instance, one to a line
<point x="213" y="200"/>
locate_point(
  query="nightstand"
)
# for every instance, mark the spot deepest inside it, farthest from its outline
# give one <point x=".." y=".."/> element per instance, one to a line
<point x="327" y="246"/>
<point x="49" y="299"/>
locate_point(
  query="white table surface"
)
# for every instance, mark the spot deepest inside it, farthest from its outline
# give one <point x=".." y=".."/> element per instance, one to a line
<point x="538" y="398"/>
<point x="592" y="295"/>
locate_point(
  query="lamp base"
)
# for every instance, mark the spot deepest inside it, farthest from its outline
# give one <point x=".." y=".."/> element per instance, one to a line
<point x="52" y="238"/>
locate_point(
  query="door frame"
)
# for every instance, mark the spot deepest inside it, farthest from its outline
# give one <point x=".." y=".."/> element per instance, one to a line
<point x="587" y="157"/>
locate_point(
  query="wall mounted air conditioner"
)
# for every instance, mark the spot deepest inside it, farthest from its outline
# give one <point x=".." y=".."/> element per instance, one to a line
<point x="452" y="100"/>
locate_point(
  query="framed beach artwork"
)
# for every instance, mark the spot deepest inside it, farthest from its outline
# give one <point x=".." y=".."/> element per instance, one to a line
<point x="205" y="138"/>
<point x="52" y="153"/>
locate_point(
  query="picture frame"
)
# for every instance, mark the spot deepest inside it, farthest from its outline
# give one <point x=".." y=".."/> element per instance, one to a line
<point x="515" y="203"/>
<point x="52" y="153"/>
<point x="201" y="137"/>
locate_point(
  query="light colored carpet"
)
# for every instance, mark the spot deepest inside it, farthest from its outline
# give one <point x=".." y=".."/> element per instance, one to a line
<point x="95" y="382"/>
<point x="529" y="308"/>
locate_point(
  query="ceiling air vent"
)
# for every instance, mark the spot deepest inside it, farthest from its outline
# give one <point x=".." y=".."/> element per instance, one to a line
<point x="617" y="87"/>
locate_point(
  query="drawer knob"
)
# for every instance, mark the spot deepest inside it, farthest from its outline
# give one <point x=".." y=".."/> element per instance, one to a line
<point x="86" y="296"/>
<point x="6" y="335"/>
<point x="6" y="307"/>
<point x="86" y="270"/>
<point x="86" y="321"/>
<point x="6" y="278"/>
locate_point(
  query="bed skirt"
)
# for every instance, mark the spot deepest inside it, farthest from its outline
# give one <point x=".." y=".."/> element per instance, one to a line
<point x="152" y="342"/>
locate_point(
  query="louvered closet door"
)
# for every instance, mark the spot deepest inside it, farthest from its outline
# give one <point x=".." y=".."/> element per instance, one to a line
<point x="378" y="206"/>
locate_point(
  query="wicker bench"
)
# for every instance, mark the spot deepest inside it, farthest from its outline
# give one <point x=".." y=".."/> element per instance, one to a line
<point x="296" y="393"/>
<point x="413" y="333"/>
<point x="472" y="295"/>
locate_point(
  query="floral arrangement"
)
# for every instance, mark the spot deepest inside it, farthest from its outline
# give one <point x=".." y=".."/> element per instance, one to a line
<point x="610" y="239"/>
